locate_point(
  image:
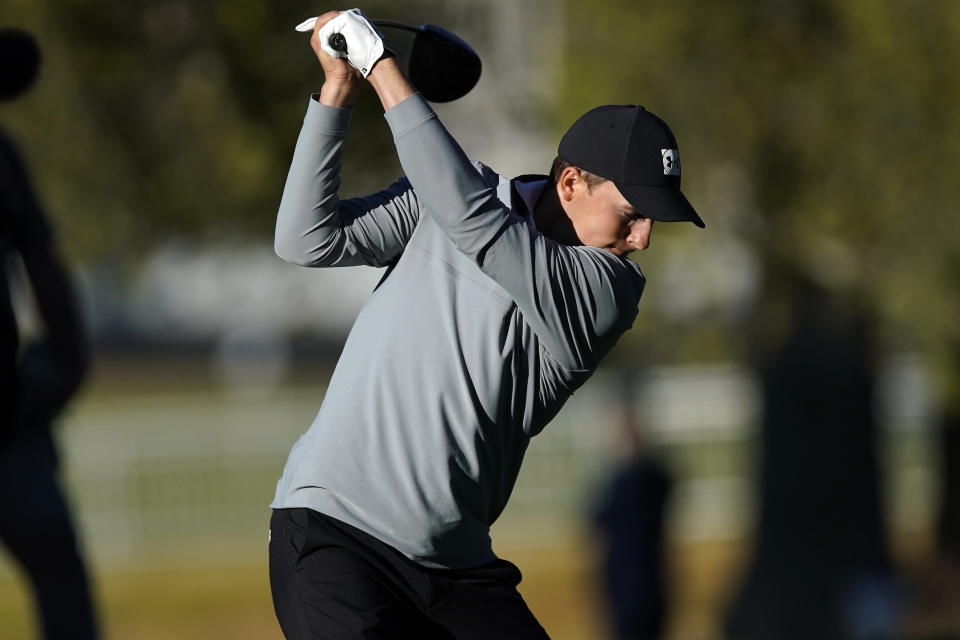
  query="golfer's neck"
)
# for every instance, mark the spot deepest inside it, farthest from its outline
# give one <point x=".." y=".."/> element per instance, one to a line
<point x="552" y="220"/>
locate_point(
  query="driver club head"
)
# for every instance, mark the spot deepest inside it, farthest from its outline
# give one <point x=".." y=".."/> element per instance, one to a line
<point x="442" y="66"/>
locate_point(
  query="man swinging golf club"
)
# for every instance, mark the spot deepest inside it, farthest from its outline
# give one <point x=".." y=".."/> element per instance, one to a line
<point x="500" y="298"/>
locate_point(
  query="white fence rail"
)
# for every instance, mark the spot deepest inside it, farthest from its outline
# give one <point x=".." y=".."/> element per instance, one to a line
<point x="155" y="473"/>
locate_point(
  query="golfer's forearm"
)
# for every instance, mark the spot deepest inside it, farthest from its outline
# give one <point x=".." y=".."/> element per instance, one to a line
<point x="338" y="94"/>
<point x="308" y="222"/>
<point x="448" y="185"/>
<point x="391" y="85"/>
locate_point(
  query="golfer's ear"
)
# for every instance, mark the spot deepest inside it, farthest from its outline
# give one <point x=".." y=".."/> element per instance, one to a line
<point x="568" y="180"/>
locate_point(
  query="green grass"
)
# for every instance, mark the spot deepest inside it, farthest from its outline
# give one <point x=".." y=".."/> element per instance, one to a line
<point x="169" y="599"/>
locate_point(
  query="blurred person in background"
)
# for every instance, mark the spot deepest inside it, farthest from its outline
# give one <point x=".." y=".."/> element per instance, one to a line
<point x="36" y="381"/>
<point x="821" y="567"/>
<point x="629" y="517"/>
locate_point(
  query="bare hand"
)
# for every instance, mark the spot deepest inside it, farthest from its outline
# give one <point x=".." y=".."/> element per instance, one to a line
<point x="340" y="79"/>
<point x="336" y="69"/>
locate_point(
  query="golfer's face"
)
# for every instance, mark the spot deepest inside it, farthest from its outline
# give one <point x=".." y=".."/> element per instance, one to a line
<point x="611" y="223"/>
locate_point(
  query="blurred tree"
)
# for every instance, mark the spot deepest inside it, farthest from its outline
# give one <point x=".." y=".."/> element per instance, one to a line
<point x="820" y="565"/>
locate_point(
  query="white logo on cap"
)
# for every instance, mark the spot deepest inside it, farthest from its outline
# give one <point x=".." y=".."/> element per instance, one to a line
<point x="671" y="162"/>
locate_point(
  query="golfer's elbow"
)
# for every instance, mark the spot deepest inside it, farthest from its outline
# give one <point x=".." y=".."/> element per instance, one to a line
<point x="289" y="242"/>
<point x="290" y="250"/>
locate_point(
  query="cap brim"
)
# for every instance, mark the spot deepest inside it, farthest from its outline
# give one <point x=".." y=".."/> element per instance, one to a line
<point x="663" y="204"/>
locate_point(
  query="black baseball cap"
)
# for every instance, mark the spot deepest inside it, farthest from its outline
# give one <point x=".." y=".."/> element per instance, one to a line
<point x="636" y="150"/>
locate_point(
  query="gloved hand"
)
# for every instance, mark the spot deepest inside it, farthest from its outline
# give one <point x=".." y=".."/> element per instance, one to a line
<point x="364" y="44"/>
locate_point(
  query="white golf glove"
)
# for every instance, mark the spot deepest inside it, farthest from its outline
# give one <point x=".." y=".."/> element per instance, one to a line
<point x="364" y="42"/>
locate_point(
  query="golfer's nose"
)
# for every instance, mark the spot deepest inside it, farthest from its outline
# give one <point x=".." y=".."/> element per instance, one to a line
<point x="640" y="231"/>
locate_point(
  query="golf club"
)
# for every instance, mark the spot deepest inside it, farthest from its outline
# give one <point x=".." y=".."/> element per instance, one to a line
<point x="442" y="66"/>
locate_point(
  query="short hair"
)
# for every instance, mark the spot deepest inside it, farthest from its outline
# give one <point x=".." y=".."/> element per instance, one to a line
<point x="559" y="164"/>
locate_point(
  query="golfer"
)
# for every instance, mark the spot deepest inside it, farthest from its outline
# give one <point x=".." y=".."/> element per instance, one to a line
<point x="499" y="299"/>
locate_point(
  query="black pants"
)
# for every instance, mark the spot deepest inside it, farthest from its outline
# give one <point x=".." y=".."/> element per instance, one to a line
<point x="36" y="527"/>
<point x="331" y="580"/>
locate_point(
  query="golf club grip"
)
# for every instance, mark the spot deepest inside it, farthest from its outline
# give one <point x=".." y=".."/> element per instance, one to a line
<point x="337" y="42"/>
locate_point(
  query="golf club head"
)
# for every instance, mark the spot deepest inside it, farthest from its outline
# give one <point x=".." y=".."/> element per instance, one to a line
<point x="442" y="66"/>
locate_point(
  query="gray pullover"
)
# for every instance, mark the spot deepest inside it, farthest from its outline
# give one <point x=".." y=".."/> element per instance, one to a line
<point x="479" y="331"/>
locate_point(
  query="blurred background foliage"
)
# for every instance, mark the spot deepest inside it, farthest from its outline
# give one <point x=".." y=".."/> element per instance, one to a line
<point x="817" y="136"/>
<point x="824" y="134"/>
<point x="160" y="120"/>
